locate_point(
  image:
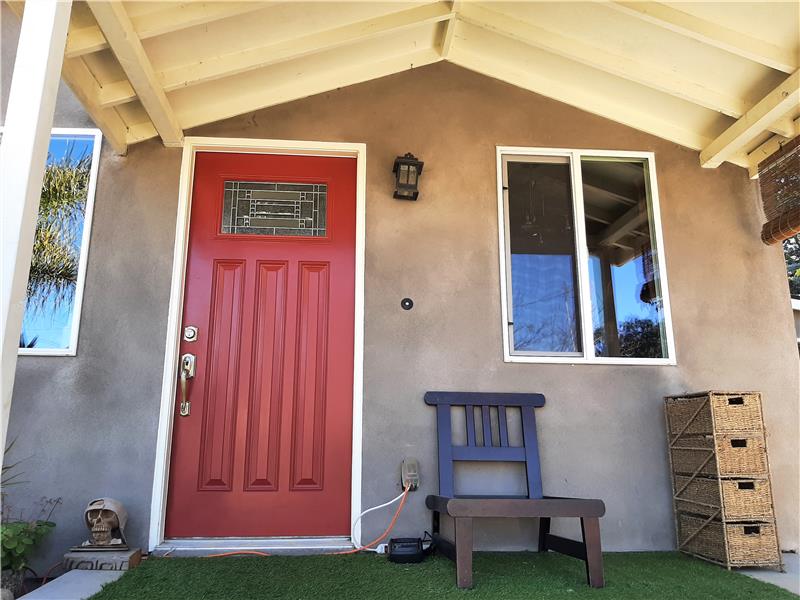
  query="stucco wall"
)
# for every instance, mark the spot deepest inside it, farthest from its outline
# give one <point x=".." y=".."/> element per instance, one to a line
<point x="90" y="421"/>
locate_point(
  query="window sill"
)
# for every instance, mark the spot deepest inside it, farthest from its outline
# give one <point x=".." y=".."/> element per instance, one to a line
<point x="795" y="304"/>
<point x="46" y="352"/>
<point x="571" y="360"/>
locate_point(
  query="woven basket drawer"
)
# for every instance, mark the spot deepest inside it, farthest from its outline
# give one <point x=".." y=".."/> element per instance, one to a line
<point x="729" y="412"/>
<point x="742" y="499"/>
<point x="753" y="543"/>
<point x="736" y="455"/>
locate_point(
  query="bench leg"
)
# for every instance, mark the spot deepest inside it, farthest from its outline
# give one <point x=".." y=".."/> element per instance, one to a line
<point x="463" y="552"/>
<point x="544" y="529"/>
<point x="590" y="526"/>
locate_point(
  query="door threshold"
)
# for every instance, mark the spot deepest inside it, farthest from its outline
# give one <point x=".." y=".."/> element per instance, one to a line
<point x="199" y="546"/>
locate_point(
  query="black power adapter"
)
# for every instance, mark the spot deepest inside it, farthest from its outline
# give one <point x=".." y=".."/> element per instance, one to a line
<point x="408" y="550"/>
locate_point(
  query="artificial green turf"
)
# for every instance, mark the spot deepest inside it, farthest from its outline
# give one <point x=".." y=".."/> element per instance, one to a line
<point x="502" y="576"/>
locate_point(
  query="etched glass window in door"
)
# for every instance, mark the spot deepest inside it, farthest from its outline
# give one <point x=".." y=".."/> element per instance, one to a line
<point x="275" y="208"/>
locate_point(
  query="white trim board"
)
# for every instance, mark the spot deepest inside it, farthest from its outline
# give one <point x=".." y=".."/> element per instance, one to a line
<point x="582" y="259"/>
<point x="192" y="145"/>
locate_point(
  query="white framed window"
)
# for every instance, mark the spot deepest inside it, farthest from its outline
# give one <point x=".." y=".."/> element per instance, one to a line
<point x="582" y="268"/>
<point x="61" y="248"/>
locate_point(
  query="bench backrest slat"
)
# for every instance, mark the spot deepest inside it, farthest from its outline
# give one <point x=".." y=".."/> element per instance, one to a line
<point x="487" y="451"/>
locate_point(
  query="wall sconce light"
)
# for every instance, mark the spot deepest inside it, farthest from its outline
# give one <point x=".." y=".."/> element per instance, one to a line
<point x="407" y="170"/>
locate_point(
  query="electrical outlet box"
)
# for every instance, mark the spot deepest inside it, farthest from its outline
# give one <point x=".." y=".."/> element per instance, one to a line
<point x="409" y="473"/>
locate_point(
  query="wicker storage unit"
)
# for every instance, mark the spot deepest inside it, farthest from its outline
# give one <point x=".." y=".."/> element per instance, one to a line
<point x="725" y="455"/>
<point x="720" y="479"/>
<point x="712" y="412"/>
<point x="740" y="499"/>
<point x="732" y="544"/>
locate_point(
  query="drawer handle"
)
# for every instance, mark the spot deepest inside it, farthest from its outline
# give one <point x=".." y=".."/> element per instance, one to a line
<point x="738" y="443"/>
<point x="736" y="401"/>
<point x="747" y="485"/>
<point x="752" y="530"/>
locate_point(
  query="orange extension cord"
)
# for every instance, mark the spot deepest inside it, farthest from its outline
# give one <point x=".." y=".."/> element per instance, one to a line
<point x="353" y="551"/>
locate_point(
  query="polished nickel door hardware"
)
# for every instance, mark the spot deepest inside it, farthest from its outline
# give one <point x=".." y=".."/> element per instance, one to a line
<point x="187" y="372"/>
<point x="190" y="334"/>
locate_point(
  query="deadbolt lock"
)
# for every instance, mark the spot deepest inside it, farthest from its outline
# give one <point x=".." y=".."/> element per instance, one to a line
<point x="190" y="334"/>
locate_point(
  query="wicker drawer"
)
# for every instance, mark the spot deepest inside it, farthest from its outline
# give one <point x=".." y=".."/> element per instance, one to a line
<point x="731" y="544"/>
<point x="714" y="412"/>
<point x="736" y="455"/>
<point x="740" y="500"/>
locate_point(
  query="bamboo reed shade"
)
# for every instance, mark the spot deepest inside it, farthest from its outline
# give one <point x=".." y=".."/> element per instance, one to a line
<point x="779" y="177"/>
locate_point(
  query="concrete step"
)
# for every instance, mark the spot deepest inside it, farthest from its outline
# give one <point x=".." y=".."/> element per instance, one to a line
<point x="74" y="585"/>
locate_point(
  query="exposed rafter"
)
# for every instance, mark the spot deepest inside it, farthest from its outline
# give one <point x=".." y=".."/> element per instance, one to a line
<point x="287" y="84"/>
<point x="713" y="34"/>
<point x="127" y="47"/>
<point x="769" y="147"/>
<point x="202" y="61"/>
<point x="85" y="88"/>
<point x="226" y="65"/>
<point x="482" y="53"/>
<point x="158" y="22"/>
<point x="622" y="66"/>
<point x="448" y="35"/>
<point x="771" y="108"/>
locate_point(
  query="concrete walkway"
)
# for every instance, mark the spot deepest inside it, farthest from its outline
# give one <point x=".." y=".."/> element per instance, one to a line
<point x="74" y="585"/>
<point x="790" y="580"/>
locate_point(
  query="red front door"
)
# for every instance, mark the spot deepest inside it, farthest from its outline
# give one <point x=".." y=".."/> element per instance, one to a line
<point x="266" y="447"/>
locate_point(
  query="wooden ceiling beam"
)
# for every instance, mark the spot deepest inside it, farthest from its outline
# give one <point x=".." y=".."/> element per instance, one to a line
<point x="755" y="121"/>
<point x="481" y="53"/>
<point x="621" y="66"/>
<point x="159" y="22"/>
<point x="769" y="147"/>
<point x="785" y="127"/>
<point x="286" y="85"/>
<point x="127" y="47"/>
<point x="713" y="34"/>
<point x="448" y="34"/>
<point x="83" y="84"/>
<point x="212" y="68"/>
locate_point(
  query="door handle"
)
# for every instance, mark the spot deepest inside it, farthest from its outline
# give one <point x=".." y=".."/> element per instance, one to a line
<point x="187" y="372"/>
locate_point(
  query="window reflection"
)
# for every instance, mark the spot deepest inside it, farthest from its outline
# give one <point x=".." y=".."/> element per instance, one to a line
<point x="59" y="247"/>
<point x="627" y="307"/>
<point x="543" y="259"/>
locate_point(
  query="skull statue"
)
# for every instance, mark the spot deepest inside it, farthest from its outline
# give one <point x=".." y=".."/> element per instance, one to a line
<point x="106" y="519"/>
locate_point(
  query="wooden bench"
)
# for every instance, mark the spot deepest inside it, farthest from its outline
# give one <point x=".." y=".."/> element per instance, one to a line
<point x="463" y="509"/>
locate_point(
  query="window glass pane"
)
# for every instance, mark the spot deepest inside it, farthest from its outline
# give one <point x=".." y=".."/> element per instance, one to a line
<point x="52" y="283"/>
<point x="275" y="208"/>
<point x="627" y="304"/>
<point x="541" y="238"/>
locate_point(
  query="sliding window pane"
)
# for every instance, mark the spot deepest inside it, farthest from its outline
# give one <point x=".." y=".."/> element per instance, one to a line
<point x="541" y="244"/>
<point x="627" y="304"/>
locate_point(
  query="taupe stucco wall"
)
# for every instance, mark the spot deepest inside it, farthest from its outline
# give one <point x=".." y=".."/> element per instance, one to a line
<point x="90" y="421"/>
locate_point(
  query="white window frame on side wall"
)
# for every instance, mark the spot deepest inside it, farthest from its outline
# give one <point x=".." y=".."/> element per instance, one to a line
<point x="72" y="349"/>
<point x="582" y="257"/>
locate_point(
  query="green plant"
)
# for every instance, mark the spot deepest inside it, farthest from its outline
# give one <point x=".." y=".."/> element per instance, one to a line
<point x="19" y="538"/>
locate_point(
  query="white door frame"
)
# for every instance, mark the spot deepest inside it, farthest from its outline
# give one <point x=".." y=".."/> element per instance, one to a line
<point x="192" y="145"/>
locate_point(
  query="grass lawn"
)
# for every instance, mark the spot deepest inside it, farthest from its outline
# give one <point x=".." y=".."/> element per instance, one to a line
<point x="506" y="576"/>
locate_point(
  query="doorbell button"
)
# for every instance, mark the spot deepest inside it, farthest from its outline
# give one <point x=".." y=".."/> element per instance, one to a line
<point x="406" y="303"/>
